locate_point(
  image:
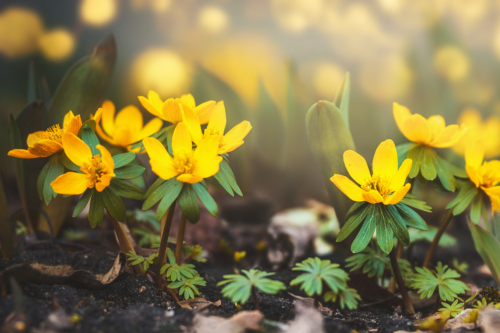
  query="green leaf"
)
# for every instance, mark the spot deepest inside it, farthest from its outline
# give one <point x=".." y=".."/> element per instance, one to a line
<point x="342" y="97"/>
<point x="228" y="174"/>
<point x="55" y="169"/>
<point x="477" y="207"/>
<point x="417" y="204"/>
<point x="403" y="150"/>
<point x="114" y="204"/>
<point x="126" y="190"/>
<point x="157" y="191"/>
<point x="223" y="182"/>
<point x="422" y="161"/>
<point x="123" y="159"/>
<point x="129" y="172"/>
<point x="329" y="137"/>
<point x="89" y="137"/>
<point x="444" y="174"/>
<point x="189" y="203"/>
<point x="96" y="209"/>
<point x="354" y="220"/>
<point x="488" y="248"/>
<point x="86" y="84"/>
<point x="464" y="197"/>
<point x="411" y="218"/>
<point x="171" y="194"/>
<point x="41" y="180"/>
<point x="68" y="164"/>
<point x="398" y="225"/>
<point x="206" y="198"/>
<point x="385" y="235"/>
<point x="457" y="172"/>
<point x="82" y="203"/>
<point x="366" y="233"/>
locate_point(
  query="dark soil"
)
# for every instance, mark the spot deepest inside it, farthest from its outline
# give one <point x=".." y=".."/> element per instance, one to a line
<point x="133" y="304"/>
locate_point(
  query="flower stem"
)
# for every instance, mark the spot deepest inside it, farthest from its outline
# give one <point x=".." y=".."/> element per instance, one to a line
<point x="166" y="223"/>
<point x="400" y="281"/>
<point x="124" y="241"/>
<point x="255" y="300"/>
<point x="180" y="239"/>
<point x="437" y="237"/>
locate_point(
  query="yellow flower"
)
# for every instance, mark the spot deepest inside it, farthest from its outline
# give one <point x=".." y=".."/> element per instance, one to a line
<point x="478" y="129"/>
<point x="387" y="184"/>
<point x="484" y="175"/>
<point x="170" y="110"/>
<point x="216" y="126"/>
<point x="96" y="171"/>
<point x="49" y="142"/>
<point x="126" y="128"/>
<point x="187" y="165"/>
<point x="430" y="132"/>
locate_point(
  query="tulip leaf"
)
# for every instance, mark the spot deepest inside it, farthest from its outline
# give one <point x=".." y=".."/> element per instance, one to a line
<point x="342" y="97"/>
<point x="89" y="137"/>
<point x="54" y="169"/>
<point x="123" y="159"/>
<point x="206" y="198"/>
<point x="488" y="248"/>
<point x="129" y="171"/>
<point x="114" y="204"/>
<point x="172" y="193"/>
<point x="189" y="203"/>
<point x="329" y="137"/>
<point x="96" y="209"/>
<point x="126" y="190"/>
<point x="82" y="203"/>
<point x="86" y="84"/>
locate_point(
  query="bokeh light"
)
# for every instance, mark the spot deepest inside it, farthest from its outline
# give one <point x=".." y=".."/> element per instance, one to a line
<point x="451" y="63"/>
<point x="213" y="19"/>
<point x="57" y="45"/>
<point x="98" y="12"/>
<point x="327" y="77"/>
<point x="20" y="29"/>
<point x="297" y="15"/>
<point x="163" y="71"/>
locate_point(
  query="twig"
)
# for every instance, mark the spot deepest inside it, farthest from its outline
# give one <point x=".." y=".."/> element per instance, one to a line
<point x="400" y="281"/>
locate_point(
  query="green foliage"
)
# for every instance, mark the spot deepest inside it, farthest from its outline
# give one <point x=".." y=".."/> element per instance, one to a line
<point x="371" y="260"/>
<point x="239" y="286"/>
<point x="147" y="237"/>
<point x="175" y="272"/>
<point x="445" y="241"/>
<point x="387" y="220"/>
<point x="460" y="266"/>
<point x="483" y="304"/>
<point x="194" y="252"/>
<point x="319" y="272"/>
<point x="444" y="278"/>
<point x="188" y="286"/>
<point x="188" y="202"/>
<point x="452" y="310"/>
<point x="469" y="194"/>
<point x="347" y="298"/>
<point x="21" y="229"/>
<point x="140" y="260"/>
<point x="488" y="248"/>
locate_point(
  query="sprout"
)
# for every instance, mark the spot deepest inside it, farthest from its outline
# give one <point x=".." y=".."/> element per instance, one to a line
<point x="347" y="297"/>
<point x="177" y="272"/>
<point x="188" y="286"/>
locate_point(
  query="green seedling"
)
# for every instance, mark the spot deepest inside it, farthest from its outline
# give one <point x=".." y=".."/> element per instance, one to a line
<point x="187" y="287"/>
<point x="347" y="298"/>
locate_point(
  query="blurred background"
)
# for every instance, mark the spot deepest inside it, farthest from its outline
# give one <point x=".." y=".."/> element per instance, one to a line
<point x="269" y="60"/>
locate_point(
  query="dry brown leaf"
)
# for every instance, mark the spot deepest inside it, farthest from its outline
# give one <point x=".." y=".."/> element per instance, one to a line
<point x="236" y="324"/>
<point x="197" y="303"/>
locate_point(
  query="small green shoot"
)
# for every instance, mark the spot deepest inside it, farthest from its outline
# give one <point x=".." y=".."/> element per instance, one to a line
<point x="347" y="298"/>
<point x="319" y="272"/>
<point x="140" y="260"/>
<point x="453" y="309"/>
<point x="177" y="272"/>
<point x="188" y="286"/>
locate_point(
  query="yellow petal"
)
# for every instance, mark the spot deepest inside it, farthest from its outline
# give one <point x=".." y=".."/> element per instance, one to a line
<point x="372" y="197"/>
<point x="70" y="183"/>
<point x="474" y="153"/>
<point x="44" y="148"/>
<point x="397" y="196"/>
<point x="76" y="150"/>
<point x="473" y="175"/>
<point x="204" y="111"/>
<point x="103" y="182"/>
<point x="207" y="149"/>
<point x="171" y="111"/>
<point x="399" y="179"/>
<point x="97" y="117"/>
<point x="103" y="135"/>
<point x="129" y="117"/>
<point x="208" y="168"/>
<point x="108" y="117"/>
<point x="449" y="136"/>
<point x="67" y="118"/>
<point x="156" y="150"/>
<point x="470" y="117"/>
<point x="188" y="100"/>
<point x="417" y="129"/>
<point x="401" y="113"/>
<point x="74" y="125"/>
<point x="234" y="138"/>
<point x="34" y="138"/>
<point x="123" y="136"/>
<point x="155" y="110"/>
<point x="189" y="178"/>
<point x="385" y="160"/>
<point x="190" y="119"/>
<point x="348" y="187"/>
<point x="163" y="168"/>
<point x="217" y="122"/>
<point x="21" y="153"/>
<point x="181" y="140"/>
<point x="153" y="126"/>
<point x="494" y="195"/>
<point x="107" y="158"/>
<point x="357" y="167"/>
<point x="436" y="125"/>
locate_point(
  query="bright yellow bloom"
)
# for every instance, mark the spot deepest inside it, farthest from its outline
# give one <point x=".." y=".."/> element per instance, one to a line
<point x="49" y="142"/>
<point x="96" y="171"/>
<point x="216" y="126"/>
<point x="430" y="132"/>
<point x="187" y="165"/>
<point x="170" y="110"/>
<point x="484" y="175"/>
<point x="126" y="128"/>
<point x="387" y="184"/>
<point x="487" y="130"/>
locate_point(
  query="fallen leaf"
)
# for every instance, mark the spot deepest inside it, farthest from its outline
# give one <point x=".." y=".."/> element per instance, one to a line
<point x="197" y="303"/>
<point x="238" y="323"/>
<point x="48" y="274"/>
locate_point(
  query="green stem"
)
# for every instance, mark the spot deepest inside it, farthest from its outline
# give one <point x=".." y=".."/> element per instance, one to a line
<point x="166" y="223"/>
<point x="180" y="240"/>
<point x="400" y="281"/>
<point x="444" y="224"/>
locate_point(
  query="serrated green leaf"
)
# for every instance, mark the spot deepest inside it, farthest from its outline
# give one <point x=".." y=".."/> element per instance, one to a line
<point x="67" y="163"/>
<point x="223" y="182"/>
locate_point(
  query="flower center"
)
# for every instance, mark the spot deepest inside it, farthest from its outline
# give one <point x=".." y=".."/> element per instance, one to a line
<point x="184" y="162"/>
<point x="95" y="169"/>
<point x="54" y="133"/>
<point x="378" y="183"/>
